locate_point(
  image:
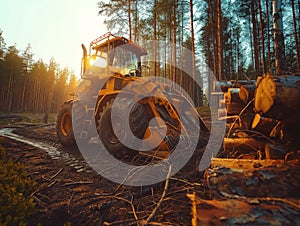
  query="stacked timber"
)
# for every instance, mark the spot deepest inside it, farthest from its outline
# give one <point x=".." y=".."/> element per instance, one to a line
<point x="278" y="98"/>
<point x="234" y="102"/>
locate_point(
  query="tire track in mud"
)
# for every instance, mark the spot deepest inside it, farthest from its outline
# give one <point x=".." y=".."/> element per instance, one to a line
<point x="54" y="151"/>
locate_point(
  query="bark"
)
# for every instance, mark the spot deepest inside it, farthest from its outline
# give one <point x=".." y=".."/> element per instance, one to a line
<point x="296" y="36"/>
<point x="268" y="36"/>
<point x="155" y="37"/>
<point x="263" y="125"/>
<point x="193" y="49"/>
<point x="278" y="37"/>
<point x="129" y="19"/>
<point x="261" y="28"/>
<point x="242" y="145"/>
<point x="255" y="41"/>
<point x="219" y="40"/>
<point x="136" y="19"/>
<point x="213" y="38"/>
<point x="174" y="40"/>
<point x="255" y="178"/>
<point x="236" y="210"/>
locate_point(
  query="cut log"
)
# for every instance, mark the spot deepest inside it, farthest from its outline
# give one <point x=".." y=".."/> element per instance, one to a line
<point x="240" y="83"/>
<point x="246" y="120"/>
<point x="224" y="85"/>
<point x="255" y="178"/>
<point x="233" y="95"/>
<point x="236" y="210"/>
<point x="234" y="108"/>
<point x="247" y="93"/>
<point x="278" y="97"/>
<point x="243" y="144"/>
<point x="263" y="125"/>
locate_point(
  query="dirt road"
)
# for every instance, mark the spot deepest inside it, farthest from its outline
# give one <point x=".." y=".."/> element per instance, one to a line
<point x="70" y="191"/>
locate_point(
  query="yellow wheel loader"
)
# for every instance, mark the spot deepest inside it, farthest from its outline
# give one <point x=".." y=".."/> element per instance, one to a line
<point x="119" y="106"/>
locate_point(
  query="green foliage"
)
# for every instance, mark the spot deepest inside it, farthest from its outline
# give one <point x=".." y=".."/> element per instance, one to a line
<point x="15" y="189"/>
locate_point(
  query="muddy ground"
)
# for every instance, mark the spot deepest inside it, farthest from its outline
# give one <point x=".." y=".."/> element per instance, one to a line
<point x="71" y="191"/>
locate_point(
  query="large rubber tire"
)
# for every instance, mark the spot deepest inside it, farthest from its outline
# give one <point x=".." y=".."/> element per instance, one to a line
<point x="137" y="121"/>
<point x="64" y="126"/>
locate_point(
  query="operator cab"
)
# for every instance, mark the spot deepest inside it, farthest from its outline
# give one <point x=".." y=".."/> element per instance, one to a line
<point x="110" y="53"/>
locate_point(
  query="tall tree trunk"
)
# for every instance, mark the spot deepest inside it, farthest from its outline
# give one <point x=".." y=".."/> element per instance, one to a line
<point x="220" y="46"/>
<point x="129" y="19"/>
<point x="136" y="19"/>
<point x="181" y="46"/>
<point x="174" y="39"/>
<point x="10" y="90"/>
<point x="296" y="36"/>
<point x="171" y="53"/>
<point x="21" y="107"/>
<point x="278" y="37"/>
<point x="255" y="41"/>
<point x="193" y="48"/>
<point x="155" y="36"/>
<point x="214" y="43"/>
<point x="261" y="28"/>
<point x="268" y="36"/>
<point x="209" y="75"/>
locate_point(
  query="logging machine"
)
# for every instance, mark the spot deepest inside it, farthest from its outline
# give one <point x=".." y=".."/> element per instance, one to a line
<point x="111" y="64"/>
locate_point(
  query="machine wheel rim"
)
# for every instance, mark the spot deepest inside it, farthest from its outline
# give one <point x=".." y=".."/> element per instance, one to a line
<point x="66" y="124"/>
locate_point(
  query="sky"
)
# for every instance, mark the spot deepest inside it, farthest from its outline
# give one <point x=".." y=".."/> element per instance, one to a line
<point x="55" y="28"/>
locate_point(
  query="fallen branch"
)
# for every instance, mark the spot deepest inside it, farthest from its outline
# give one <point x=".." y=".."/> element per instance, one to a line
<point x="51" y="184"/>
<point x="161" y="198"/>
<point x="39" y="202"/>
<point x="69" y="202"/>
<point x="78" y="182"/>
<point x="132" y="207"/>
<point x="44" y="196"/>
<point x="186" y="182"/>
<point x="239" y="116"/>
<point x="134" y="212"/>
<point x="58" y="172"/>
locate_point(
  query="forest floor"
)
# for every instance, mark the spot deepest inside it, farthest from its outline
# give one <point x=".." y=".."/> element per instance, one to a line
<point x="71" y="191"/>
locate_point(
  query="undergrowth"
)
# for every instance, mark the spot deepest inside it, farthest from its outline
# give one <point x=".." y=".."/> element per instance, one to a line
<point x="16" y="205"/>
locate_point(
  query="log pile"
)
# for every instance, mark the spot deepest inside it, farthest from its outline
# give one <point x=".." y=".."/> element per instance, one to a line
<point x="258" y="169"/>
<point x="265" y="111"/>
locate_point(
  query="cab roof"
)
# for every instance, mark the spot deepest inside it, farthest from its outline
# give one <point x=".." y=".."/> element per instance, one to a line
<point x="110" y="41"/>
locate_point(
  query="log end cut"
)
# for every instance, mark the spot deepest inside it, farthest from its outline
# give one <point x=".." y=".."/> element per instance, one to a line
<point x="265" y="94"/>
